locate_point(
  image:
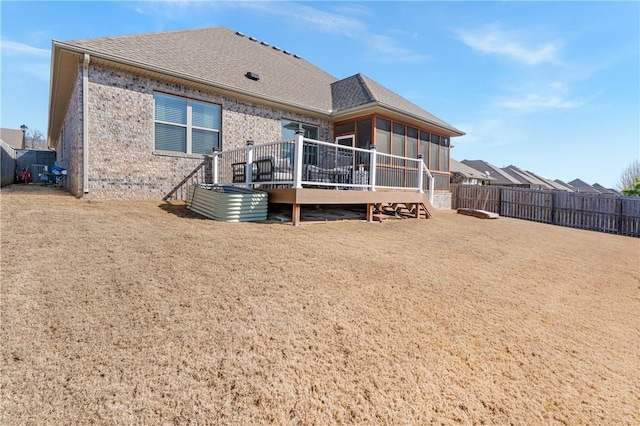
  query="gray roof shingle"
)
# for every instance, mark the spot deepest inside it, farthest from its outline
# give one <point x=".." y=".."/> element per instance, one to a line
<point x="220" y="57"/>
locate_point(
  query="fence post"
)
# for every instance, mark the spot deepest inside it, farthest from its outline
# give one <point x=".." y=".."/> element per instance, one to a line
<point x="619" y="214"/>
<point x="249" y="164"/>
<point x="372" y="167"/>
<point x="298" y="157"/>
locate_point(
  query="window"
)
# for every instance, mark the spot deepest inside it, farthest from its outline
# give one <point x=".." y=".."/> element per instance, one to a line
<point x="185" y="125"/>
<point x="310" y="152"/>
<point x="289" y="130"/>
<point x="444" y="154"/>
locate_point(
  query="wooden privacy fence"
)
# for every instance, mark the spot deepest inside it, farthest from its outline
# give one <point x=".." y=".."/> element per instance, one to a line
<point x="598" y="212"/>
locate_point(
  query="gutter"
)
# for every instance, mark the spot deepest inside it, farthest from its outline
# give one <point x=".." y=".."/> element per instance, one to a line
<point x="85" y="123"/>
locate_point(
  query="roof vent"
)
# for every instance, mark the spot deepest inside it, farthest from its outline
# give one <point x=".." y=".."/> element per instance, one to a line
<point x="264" y="43"/>
<point x="275" y="47"/>
<point x="253" y="39"/>
<point x="239" y="33"/>
<point x="252" y="76"/>
<point x="286" y="52"/>
<point x="296" y="56"/>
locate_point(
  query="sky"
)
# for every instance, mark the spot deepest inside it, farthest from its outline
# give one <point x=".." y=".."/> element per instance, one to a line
<point x="550" y="87"/>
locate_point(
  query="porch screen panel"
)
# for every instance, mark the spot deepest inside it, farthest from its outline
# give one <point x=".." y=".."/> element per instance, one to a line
<point x="433" y="152"/>
<point x="383" y="136"/>
<point x="424" y="147"/>
<point x="412" y="142"/>
<point x="398" y="139"/>
<point x="444" y="154"/>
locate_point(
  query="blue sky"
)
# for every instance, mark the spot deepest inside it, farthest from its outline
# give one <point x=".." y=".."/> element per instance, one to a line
<point x="551" y="87"/>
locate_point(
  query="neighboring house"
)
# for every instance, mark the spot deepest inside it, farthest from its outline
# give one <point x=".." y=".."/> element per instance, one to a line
<point x="604" y="190"/>
<point x="581" y="186"/>
<point x="526" y="178"/>
<point x="465" y="175"/>
<point x="500" y="177"/>
<point x="13" y="137"/>
<point x="564" y="185"/>
<point x="134" y="116"/>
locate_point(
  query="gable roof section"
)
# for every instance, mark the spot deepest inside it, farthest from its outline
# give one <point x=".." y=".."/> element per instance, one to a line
<point x="526" y="177"/>
<point x="602" y="189"/>
<point x="501" y="178"/>
<point x="467" y="172"/>
<point x="12" y="137"/>
<point x="220" y="58"/>
<point x="563" y="184"/>
<point x="582" y="186"/>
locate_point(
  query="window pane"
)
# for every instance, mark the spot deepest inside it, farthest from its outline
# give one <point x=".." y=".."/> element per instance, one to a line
<point x="205" y="115"/>
<point x="171" y="138"/>
<point x="171" y="109"/>
<point x="398" y="139"/>
<point x="383" y="135"/>
<point x="203" y="141"/>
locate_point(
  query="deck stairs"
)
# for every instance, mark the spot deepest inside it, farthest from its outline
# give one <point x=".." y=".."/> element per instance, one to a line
<point x="426" y="210"/>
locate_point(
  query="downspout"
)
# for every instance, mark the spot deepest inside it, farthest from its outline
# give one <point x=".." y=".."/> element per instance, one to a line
<point x="85" y="123"/>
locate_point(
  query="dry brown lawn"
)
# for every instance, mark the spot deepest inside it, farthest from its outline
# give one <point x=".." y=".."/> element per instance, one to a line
<point x="120" y="312"/>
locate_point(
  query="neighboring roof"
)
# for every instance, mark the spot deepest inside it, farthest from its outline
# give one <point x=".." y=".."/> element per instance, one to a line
<point x="467" y="172"/>
<point x="525" y="177"/>
<point x="220" y="58"/>
<point x="566" y="185"/>
<point x="501" y="178"/>
<point x="13" y="137"/>
<point x="604" y="190"/>
<point x="581" y="186"/>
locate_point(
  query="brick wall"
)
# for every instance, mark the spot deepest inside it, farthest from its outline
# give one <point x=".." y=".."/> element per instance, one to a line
<point x="123" y="163"/>
<point x="69" y="149"/>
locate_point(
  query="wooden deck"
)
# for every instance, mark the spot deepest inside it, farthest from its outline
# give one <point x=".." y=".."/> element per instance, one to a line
<point x="314" y="196"/>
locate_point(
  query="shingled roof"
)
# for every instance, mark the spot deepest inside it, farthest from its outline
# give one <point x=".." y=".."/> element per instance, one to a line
<point x="220" y="58"/>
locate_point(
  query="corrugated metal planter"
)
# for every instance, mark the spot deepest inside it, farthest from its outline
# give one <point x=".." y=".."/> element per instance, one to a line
<point x="228" y="203"/>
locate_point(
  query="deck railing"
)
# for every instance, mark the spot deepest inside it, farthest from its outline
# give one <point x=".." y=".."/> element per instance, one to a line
<point x="309" y="163"/>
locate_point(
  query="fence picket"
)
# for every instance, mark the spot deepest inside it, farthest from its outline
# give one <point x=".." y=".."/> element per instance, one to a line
<point x="598" y="212"/>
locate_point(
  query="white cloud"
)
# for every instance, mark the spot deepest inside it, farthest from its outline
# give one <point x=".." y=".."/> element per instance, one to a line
<point x="342" y="22"/>
<point x="493" y="40"/>
<point x="535" y="101"/>
<point x="15" y="47"/>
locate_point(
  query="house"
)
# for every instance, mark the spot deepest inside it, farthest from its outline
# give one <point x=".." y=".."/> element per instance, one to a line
<point x="604" y="190"/>
<point x="465" y="175"/>
<point x="13" y="138"/>
<point x="500" y="177"/>
<point x="137" y="116"/>
<point x="581" y="186"/>
<point x="527" y="179"/>
<point x="564" y="185"/>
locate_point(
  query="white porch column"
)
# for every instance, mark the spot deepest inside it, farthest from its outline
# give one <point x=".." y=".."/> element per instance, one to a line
<point x="421" y="168"/>
<point x="214" y="166"/>
<point x="249" y="165"/>
<point x="372" y="167"/>
<point x="298" y="158"/>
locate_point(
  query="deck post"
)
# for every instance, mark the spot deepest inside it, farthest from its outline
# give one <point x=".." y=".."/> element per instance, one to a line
<point x="214" y="165"/>
<point x="432" y="184"/>
<point x="420" y="174"/>
<point x="298" y="158"/>
<point x="372" y="168"/>
<point x="249" y="164"/>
